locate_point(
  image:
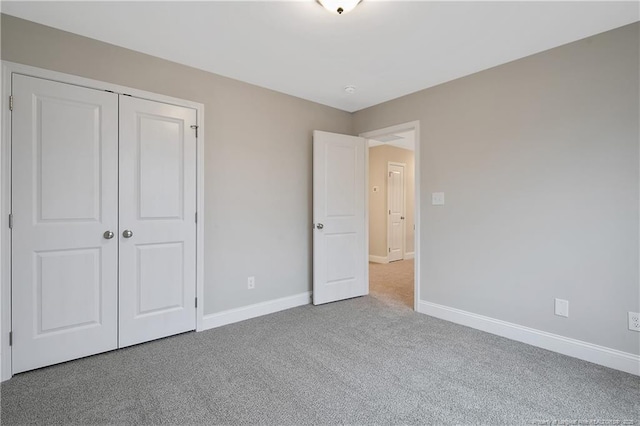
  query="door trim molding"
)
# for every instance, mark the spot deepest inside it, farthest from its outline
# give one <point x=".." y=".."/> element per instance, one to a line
<point x="415" y="126"/>
<point x="8" y="68"/>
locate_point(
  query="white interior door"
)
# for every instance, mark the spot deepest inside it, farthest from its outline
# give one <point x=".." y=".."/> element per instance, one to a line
<point x="339" y="236"/>
<point x="157" y="220"/>
<point x="64" y="198"/>
<point x="395" y="205"/>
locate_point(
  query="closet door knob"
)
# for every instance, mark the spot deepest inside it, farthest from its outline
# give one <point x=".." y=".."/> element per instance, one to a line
<point x="108" y="235"/>
<point x="127" y="233"/>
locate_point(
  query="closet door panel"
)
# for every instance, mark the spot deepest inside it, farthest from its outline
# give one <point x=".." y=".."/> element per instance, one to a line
<point x="64" y="199"/>
<point x="157" y="220"/>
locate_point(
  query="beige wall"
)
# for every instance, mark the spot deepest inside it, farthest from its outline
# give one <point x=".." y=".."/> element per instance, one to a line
<point x="257" y="159"/>
<point x="379" y="157"/>
<point x="538" y="160"/>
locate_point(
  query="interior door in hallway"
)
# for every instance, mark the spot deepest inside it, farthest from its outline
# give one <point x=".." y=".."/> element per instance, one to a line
<point x="65" y="215"/>
<point x="396" y="207"/>
<point x="157" y="220"/>
<point x="339" y="212"/>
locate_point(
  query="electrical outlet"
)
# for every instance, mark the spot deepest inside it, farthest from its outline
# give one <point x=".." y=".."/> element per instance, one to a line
<point x="562" y="307"/>
<point x="251" y="283"/>
<point x="634" y="321"/>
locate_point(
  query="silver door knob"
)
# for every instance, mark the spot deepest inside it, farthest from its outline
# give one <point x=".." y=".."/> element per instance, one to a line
<point x="127" y="233"/>
<point x="319" y="226"/>
<point x="108" y="235"/>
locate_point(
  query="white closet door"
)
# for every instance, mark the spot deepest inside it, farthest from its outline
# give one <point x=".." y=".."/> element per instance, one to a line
<point x="64" y="199"/>
<point x="157" y="220"/>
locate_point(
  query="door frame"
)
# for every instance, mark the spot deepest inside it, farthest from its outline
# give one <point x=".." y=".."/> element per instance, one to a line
<point x="403" y="127"/>
<point x="404" y="207"/>
<point x="8" y="68"/>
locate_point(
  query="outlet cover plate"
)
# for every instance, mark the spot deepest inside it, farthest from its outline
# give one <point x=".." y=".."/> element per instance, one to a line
<point x="634" y="321"/>
<point x="562" y="307"/>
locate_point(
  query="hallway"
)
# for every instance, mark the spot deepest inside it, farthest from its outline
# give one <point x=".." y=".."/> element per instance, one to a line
<point x="392" y="281"/>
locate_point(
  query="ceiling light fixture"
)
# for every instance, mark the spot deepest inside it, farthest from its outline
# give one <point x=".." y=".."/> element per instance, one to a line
<point x="339" y="6"/>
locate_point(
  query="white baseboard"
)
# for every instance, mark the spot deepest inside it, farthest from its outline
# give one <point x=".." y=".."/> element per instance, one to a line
<point x="409" y="255"/>
<point x="378" y="259"/>
<point x="252" y="311"/>
<point x="608" y="357"/>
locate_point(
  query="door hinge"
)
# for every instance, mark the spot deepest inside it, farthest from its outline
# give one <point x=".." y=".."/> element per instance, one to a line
<point x="196" y="302"/>
<point x="389" y="249"/>
<point x="389" y="211"/>
<point x="194" y="127"/>
<point x="10" y="102"/>
<point x="10" y="221"/>
<point x="196" y="217"/>
<point x="11" y="338"/>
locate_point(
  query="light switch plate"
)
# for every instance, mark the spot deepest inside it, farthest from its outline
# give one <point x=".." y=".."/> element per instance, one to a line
<point x="562" y="308"/>
<point x="437" y="198"/>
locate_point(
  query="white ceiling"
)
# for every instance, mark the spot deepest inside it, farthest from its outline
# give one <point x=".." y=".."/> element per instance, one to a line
<point x="385" y="48"/>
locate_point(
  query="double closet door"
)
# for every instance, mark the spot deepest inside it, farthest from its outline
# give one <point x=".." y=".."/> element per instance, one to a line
<point x="103" y="209"/>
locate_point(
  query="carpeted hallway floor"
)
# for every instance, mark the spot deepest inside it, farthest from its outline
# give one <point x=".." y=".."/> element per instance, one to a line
<point x="367" y="360"/>
<point x="392" y="281"/>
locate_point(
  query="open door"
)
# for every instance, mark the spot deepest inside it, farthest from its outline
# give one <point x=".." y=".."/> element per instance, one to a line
<point x="339" y="212"/>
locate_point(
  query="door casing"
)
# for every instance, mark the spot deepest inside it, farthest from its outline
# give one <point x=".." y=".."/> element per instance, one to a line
<point x="8" y="69"/>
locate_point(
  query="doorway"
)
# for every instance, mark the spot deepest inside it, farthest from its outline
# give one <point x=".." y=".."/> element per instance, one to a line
<point x="393" y="203"/>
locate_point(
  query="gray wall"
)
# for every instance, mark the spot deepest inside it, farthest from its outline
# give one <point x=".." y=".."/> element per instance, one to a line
<point x="257" y="159"/>
<point x="538" y="159"/>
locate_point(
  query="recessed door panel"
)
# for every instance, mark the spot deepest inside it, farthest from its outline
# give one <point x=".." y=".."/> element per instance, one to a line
<point x="341" y="180"/>
<point x="68" y="290"/>
<point x="68" y="181"/>
<point x="160" y="278"/>
<point x="161" y="161"/>
<point x="64" y="197"/>
<point x="341" y="262"/>
<point x="157" y="220"/>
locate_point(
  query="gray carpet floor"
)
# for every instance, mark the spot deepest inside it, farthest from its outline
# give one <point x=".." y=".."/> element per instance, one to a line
<point x="360" y="361"/>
